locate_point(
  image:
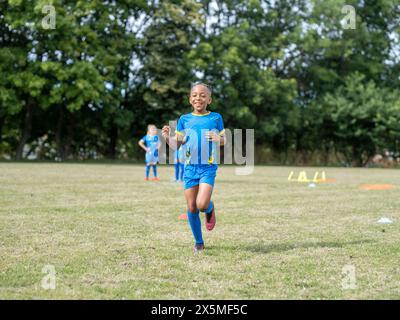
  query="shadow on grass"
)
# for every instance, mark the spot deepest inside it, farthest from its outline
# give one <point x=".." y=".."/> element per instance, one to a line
<point x="281" y="247"/>
<point x="230" y="181"/>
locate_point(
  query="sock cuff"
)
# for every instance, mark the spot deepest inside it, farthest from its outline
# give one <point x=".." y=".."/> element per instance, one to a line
<point x="210" y="207"/>
<point x="197" y="212"/>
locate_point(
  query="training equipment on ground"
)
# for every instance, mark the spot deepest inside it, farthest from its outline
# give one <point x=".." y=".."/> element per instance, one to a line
<point x="377" y="186"/>
<point x="302" y="177"/>
<point x="385" y="220"/>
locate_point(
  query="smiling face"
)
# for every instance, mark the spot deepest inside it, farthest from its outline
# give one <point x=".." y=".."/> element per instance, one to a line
<point x="200" y="98"/>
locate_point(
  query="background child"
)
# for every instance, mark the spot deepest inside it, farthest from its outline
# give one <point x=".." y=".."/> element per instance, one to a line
<point x="201" y="130"/>
<point x="150" y="143"/>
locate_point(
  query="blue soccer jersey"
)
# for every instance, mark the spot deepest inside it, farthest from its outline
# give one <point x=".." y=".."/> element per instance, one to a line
<point x="180" y="154"/>
<point x="194" y="128"/>
<point x="151" y="142"/>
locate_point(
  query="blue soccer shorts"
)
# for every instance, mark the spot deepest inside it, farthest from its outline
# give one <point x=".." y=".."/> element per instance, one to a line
<point x="151" y="158"/>
<point x="194" y="174"/>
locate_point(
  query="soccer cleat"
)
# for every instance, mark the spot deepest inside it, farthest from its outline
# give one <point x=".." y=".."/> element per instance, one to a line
<point x="198" y="248"/>
<point x="210" y="220"/>
<point x="146" y="179"/>
<point x="156" y="179"/>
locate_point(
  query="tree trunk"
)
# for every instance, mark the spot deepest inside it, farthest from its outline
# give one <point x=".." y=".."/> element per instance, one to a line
<point x="58" y="137"/>
<point x="326" y="153"/>
<point x="69" y="137"/>
<point x="112" y="146"/>
<point x="1" y="126"/>
<point x="357" y="157"/>
<point x="26" y="131"/>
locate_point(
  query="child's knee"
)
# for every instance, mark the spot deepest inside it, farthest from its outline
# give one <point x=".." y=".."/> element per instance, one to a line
<point x="202" y="205"/>
<point x="192" y="207"/>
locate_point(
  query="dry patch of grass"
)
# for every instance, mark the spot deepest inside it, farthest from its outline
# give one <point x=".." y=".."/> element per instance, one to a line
<point x="111" y="235"/>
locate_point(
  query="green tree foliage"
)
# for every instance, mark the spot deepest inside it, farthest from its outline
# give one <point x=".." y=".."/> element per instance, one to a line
<point x="166" y="72"/>
<point x="363" y="118"/>
<point x="289" y="69"/>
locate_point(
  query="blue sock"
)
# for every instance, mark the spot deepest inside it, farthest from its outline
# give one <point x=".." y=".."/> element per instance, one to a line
<point x="210" y="207"/>
<point x="195" y="225"/>
<point x="177" y="171"/>
<point x="155" y="171"/>
<point x="147" y="171"/>
<point x="181" y="166"/>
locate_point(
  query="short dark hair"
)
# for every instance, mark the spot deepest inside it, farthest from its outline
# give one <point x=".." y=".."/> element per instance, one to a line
<point x="200" y="83"/>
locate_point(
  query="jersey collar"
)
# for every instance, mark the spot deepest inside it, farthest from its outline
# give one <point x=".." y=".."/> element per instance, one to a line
<point x="201" y="115"/>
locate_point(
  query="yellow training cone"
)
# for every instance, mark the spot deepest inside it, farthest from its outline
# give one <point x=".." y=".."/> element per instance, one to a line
<point x="302" y="177"/>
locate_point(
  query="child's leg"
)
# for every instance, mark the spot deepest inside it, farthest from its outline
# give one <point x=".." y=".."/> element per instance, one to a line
<point x="205" y="205"/>
<point x="147" y="170"/>
<point x="193" y="214"/>
<point x="177" y="171"/>
<point x="182" y="167"/>
<point x="155" y="170"/>
<point x="203" y="200"/>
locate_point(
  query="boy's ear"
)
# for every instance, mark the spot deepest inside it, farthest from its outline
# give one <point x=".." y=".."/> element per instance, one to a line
<point x="210" y="101"/>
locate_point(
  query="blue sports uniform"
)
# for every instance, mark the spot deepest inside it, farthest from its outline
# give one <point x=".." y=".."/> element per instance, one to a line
<point x="179" y="163"/>
<point x="151" y="142"/>
<point x="180" y="155"/>
<point x="200" y="156"/>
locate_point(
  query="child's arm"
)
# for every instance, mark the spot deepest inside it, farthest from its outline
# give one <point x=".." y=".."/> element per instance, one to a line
<point x="220" y="136"/>
<point x="142" y="145"/>
<point x="212" y="136"/>
<point x="222" y="140"/>
<point x="173" y="142"/>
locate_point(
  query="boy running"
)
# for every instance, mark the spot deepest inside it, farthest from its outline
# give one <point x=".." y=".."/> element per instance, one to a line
<point x="201" y="131"/>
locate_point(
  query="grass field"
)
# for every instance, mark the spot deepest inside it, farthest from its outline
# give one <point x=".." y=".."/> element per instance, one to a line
<point x="111" y="235"/>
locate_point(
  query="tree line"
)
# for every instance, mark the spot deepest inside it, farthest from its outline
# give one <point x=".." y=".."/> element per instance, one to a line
<point x="313" y="88"/>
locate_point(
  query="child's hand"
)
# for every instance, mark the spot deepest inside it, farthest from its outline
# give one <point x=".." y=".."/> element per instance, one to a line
<point x="165" y="132"/>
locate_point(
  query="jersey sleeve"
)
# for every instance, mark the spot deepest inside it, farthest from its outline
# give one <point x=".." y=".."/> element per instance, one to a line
<point x="144" y="139"/>
<point x="180" y="127"/>
<point x="220" y="126"/>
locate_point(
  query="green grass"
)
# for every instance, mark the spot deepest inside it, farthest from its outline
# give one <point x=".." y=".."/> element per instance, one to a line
<point x="111" y="235"/>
